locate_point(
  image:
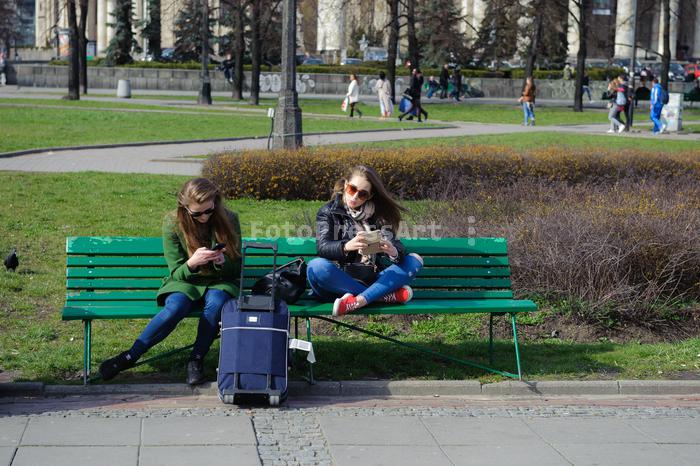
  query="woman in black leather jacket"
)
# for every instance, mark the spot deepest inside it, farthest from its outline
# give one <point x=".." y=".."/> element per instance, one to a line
<point x="352" y="269"/>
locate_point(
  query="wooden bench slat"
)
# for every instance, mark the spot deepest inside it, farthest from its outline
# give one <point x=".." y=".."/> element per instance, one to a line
<point x="85" y="297"/>
<point x="116" y="261"/>
<point x="313" y="308"/>
<point x="141" y="295"/>
<point x="148" y="283"/>
<point x="160" y="272"/>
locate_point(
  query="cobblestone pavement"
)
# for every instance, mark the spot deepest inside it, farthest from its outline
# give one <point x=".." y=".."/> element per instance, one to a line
<point x="139" y="429"/>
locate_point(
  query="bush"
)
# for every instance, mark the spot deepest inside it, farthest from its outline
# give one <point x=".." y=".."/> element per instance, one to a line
<point x="612" y="253"/>
<point x="424" y="172"/>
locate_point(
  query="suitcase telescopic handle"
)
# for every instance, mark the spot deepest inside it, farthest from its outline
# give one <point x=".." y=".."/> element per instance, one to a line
<point x="260" y="245"/>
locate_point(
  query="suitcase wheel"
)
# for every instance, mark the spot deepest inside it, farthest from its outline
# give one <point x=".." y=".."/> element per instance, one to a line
<point x="228" y="399"/>
<point x="274" y="400"/>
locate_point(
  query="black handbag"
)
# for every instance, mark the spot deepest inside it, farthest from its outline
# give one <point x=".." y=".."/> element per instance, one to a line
<point x="291" y="281"/>
<point x="365" y="273"/>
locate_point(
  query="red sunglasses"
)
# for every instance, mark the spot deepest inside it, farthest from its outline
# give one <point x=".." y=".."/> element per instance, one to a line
<point x="351" y="190"/>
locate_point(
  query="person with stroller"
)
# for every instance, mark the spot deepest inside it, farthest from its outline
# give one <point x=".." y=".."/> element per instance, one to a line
<point x="202" y="248"/>
<point x="346" y="271"/>
<point x="415" y="92"/>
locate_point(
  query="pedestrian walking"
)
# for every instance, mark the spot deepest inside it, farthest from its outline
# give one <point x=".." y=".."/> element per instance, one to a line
<point x="613" y="109"/>
<point x="585" y="86"/>
<point x="656" y="106"/>
<point x="383" y="90"/>
<point x="457" y="83"/>
<point x="202" y="247"/>
<point x="360" y="259"/>
<point x="527" y="99"/>
<point x="415" y="92"/>
<point x="353" y="96"/>
<point x="444" y="80"/>
<point x="622" y="100"/>
<point x="3" y="65"/>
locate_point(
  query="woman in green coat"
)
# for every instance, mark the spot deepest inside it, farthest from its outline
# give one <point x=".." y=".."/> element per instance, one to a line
<point x="201" y="244"/>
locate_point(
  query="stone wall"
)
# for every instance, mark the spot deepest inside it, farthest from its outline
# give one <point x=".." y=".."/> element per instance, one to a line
<point x="38" y="75"/>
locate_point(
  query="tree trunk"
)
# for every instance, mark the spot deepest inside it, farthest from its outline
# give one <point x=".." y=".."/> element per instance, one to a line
<point x="239" y="51"/>
<point x="82" y="40"/>
<point x="204" y="97"/>
<point x="581" y="55"/>
<point x="393" y="45"/>
<point x="255" y="52"/>
<point x="413" y="50"/>
<point x="74" y="59"/>
<point x="534" y="42"/>
<point x="666" y="56"/>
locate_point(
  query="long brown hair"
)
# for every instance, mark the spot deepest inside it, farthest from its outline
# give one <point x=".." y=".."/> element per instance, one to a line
<point x="386" y="208"/>
<point x="197" y="235"/>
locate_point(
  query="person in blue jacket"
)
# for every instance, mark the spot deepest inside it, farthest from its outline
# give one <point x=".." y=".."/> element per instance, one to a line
<point x="657" y="104"/>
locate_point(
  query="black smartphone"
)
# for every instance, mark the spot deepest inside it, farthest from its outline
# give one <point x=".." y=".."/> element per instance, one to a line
<point x="218" y="246"/>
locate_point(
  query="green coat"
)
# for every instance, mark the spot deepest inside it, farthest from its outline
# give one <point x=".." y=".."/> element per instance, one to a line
<point x="225" y="277"/>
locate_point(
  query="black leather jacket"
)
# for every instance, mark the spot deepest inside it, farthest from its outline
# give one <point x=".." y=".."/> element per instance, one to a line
<point x="335" y="227"/>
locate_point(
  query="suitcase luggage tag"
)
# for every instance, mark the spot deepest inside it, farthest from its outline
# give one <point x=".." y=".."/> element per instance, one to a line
<point x="253" y="302"/>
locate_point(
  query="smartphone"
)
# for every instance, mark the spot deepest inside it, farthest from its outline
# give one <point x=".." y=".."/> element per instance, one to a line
<point x="218" y="246"/>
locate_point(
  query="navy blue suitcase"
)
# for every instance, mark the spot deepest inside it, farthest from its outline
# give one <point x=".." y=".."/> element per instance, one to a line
<point x="254" y="347"/>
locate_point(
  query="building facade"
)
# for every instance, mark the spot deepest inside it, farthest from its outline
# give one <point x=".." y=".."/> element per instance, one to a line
<point x="334" y="28"/>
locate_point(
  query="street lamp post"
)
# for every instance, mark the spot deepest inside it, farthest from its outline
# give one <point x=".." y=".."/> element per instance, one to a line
<point x="287" y="126"/>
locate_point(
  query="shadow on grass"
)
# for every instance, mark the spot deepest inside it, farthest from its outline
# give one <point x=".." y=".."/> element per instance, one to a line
<point x="367" y="359"/>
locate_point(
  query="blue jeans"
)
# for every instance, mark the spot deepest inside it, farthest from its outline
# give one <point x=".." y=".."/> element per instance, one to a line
<point x="529" y="112"/>
<point x="328" y="282"/>
<point x="177" y="307"/>
<point x="655" y="116"/>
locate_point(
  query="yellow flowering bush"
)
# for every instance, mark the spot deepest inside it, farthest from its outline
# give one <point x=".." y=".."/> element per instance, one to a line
<point x="431" y="172"/>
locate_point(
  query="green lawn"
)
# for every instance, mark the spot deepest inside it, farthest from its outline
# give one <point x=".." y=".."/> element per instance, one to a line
<point x="543" y="139"/>
<point x="86" y="123"/>
<point x="42" y="209"/>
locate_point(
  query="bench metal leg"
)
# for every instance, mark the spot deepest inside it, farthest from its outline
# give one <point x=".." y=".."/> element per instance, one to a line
<point x="420" y="348"/>
<point x="308" y="338"/>
<point x="87" y="349"/>
<point x="515" y="342"/>
<point x="491" y="338"/>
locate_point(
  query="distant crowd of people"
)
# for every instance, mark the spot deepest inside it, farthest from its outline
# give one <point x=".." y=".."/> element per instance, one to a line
<point x="619" y="95"/>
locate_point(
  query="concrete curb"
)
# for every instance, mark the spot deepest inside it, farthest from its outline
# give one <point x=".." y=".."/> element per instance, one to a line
<point x="382" y="388"/>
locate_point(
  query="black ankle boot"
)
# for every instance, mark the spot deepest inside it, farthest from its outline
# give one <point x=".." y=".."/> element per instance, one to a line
<point x="195" y="372"/>
<point x="113" y="366"/>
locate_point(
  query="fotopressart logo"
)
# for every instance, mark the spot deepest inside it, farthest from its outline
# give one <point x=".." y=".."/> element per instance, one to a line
<point x="433" y="231"/>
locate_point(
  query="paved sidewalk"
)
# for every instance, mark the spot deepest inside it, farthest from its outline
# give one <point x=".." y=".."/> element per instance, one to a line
<point x="174" y="430"/>
<point x="176" y="159"/>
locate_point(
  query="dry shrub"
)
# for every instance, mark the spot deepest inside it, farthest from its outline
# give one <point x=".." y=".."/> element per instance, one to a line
<point x="426" y="172"/>
<point x="612" y="253"/>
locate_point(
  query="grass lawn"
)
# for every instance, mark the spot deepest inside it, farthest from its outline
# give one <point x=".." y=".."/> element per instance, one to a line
<point x="42" y="209"/>
<point x="77" y="126"/>
<point x="540" y="139"/>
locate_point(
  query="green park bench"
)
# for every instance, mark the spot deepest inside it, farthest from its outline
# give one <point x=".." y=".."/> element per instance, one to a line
<point x="118" y="277"/>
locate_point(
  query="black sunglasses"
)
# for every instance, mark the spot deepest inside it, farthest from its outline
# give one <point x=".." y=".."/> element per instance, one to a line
<point x="204" y="212"/>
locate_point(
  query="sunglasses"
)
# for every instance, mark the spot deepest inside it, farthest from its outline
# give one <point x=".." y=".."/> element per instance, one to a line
<point x="204" y="212"/>
<point x="351" y="190"/>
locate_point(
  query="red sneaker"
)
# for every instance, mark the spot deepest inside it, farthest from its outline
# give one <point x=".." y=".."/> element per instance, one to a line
<point x="400" y="296"/>
<point x="347" y="303"/>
